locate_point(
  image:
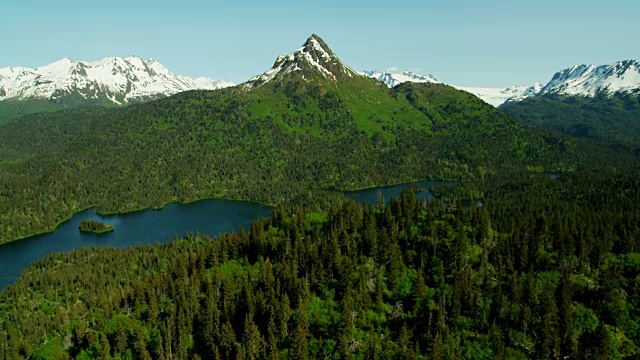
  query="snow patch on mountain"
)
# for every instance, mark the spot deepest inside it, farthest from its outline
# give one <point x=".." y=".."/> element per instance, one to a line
<point x="497" y="97"/>
<point x="393" y="79"/>
<point x="493" y="96"/>
<point x="205" y="83"/>
<point x="120" y="80"/>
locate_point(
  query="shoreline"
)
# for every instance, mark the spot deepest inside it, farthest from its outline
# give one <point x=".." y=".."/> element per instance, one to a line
<point x="48" y="231"/>
<point x="177" y="202"/>
<point x="395" y="184"/>
<point x="114" y="213"/>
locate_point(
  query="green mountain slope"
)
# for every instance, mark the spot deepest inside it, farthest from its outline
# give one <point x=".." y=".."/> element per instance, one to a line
<point x="308" y="123"/>
<point x="612" y="120"/>
<point x="13" y="109"/>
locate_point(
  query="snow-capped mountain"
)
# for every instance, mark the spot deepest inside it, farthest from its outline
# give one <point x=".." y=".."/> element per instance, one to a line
<point x="579" y="80"/>
<point x="493" y="96"/>
<point x="591" y="80"/>
<point x="497" y="96"/>
<point x="393" y="79"/>
<point x="205" y="83"/>
<point x="115" y="79"/>
<point x="312" y="58"/>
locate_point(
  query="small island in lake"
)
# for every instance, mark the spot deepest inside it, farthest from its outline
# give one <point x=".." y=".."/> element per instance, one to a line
<point x="95" y="227"/>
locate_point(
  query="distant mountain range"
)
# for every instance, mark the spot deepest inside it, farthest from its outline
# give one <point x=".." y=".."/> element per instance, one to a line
<point x="123" y="80"/>
<point x="113" y="80"/>
<point x="393" y="79"/>
<point x="579" y="80"/>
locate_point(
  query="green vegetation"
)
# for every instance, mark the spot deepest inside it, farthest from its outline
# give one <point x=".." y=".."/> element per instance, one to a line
<point x="10" y="109"/>
<point x="270" y="144"/>
<point x="13" y="109"/>
<point x="95" y="227"/>
<point x="612" y="120"/>
<point x="546" y="269"/>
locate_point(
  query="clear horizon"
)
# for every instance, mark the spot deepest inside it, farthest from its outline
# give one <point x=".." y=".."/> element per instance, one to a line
<point x="493" y="44"/>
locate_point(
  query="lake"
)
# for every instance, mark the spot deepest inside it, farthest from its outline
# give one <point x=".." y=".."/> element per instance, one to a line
<point x="371" y="196"/>
<point x="211" y="217"/>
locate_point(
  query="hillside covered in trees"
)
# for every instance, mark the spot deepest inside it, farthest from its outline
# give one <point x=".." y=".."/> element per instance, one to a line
<point x="266" y="141"/>
<point x="546" y="269"/>
<point x="613" y="120"/>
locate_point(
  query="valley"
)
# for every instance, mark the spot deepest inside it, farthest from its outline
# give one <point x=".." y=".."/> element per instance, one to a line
<point x="267" y="141"/>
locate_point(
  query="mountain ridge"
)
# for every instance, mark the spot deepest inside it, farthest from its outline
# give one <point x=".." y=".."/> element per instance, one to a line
<point x="578" y="80"/>
<point x="592" y="80"/>
<point x="115" y="80"/>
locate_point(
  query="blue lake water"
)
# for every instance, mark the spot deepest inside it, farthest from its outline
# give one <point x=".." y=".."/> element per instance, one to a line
<point x="211" y="217"/>
<point x="371" y="196"/>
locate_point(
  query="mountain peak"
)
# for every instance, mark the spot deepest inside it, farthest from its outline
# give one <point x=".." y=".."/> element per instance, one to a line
<point x="313" y="59"/>
<point x="315" y="44"/>
<point x="591" y="80"/>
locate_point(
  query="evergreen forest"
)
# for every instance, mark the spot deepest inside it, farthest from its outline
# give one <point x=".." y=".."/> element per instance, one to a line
<point x="546" y="269"/>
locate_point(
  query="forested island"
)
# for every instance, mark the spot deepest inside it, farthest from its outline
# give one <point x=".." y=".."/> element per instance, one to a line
<point x="96" y="227"/>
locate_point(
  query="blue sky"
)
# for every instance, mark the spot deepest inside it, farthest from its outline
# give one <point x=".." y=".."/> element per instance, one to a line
<point x="473" y="43"/>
